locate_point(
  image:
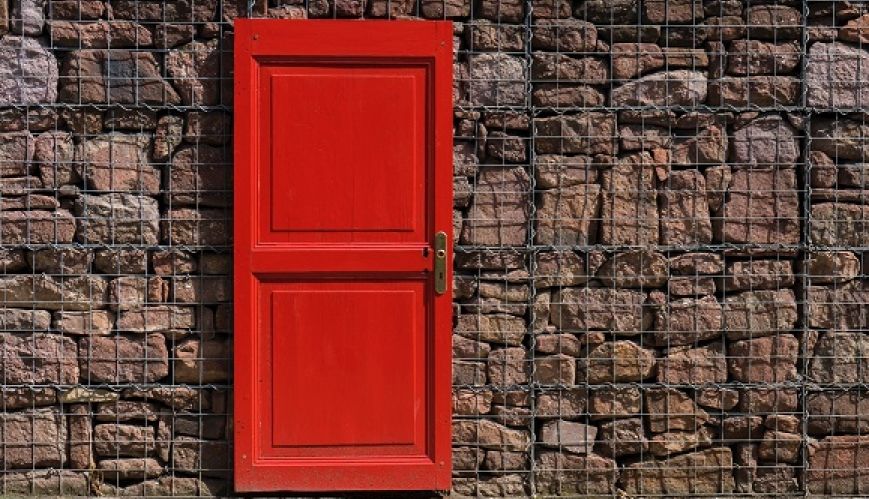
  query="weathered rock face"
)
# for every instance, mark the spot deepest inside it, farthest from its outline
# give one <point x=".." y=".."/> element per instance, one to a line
<point x="705" y="472"/>
<point x="840" y="357"/>
<point x="765" y="141"/>
<point x="833" y="71"/>
<point x="499" y="213"/>
<point x="762" y="207"/>
<point x="33" y="439"/>
<point x="124" y="77"/>
<point x="496" y="79"/>
<point x="118" y="218"/>
<point x="28" y="72"/>
<point x="629" y="214"/>
<point x="587" y="133"/>
<point x="38" y="358"/>
<point x="123" y="359"/>
<point x="669" y="88"/>
<point x="838" y="466"/>
<point x="621" y="311"/>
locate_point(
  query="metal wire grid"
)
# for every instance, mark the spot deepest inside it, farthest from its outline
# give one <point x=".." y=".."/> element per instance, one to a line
<point x="524" y="424"/>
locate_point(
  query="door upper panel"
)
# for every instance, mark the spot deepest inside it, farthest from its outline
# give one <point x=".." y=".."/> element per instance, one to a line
<point x="344" y="160"/>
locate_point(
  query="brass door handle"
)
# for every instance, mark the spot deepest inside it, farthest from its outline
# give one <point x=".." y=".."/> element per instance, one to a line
<point x="440" y="263"/>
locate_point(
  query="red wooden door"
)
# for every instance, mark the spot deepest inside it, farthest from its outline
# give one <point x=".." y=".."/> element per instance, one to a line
<point x="343" y="179"/>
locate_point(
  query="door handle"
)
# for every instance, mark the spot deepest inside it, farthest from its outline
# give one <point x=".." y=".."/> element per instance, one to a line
<point x="440" y="263"/>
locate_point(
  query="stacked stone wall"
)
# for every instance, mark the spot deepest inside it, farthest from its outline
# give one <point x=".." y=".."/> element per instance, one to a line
<point x="661" y="218"/>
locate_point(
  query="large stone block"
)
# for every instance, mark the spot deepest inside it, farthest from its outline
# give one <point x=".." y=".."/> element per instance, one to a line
<point x="684" y="209"/>
<point x="496" y="79"/>
<point x="118" y="162"/>
<point x="18" y="228"/>
<point x="762" y="208"/>
<point x="704" y="472"/>
<point x="560" y="473"/>
<point x="38" y="358"/>
<point x="629" y="209"/>
<point x="845" y="306"/>
<point x="53" y="293"/>
<point x="586" y="133"/>
<point x="188" y="226"/>
<point x="118" y="218"/>
<point x="28" y="72"/>
<point x="668" y="88"/>
<point x="92" y="76"/>
<point x="618" y="310"/>
<point x="123" y="358"/>
<point x="840" y="357"/>
<point x="201" y="72"/>
<point x="834" y="72"/>
<point x="499" y="212"/>
<point x="33" y="439"/>
<point x="839" y="465"/>
<point x="568" y="216"/>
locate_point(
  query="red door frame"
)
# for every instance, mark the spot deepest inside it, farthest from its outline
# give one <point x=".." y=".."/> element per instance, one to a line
<point x="260" y="40"/>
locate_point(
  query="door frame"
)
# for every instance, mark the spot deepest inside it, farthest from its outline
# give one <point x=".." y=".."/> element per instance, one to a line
<point x="258" y="40"/>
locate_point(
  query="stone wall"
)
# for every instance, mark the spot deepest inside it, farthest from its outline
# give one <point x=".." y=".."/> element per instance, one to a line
<point x="661" y="214"/>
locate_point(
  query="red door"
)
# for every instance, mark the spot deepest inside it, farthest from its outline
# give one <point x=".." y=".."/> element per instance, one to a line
<point x="342" y="310"/>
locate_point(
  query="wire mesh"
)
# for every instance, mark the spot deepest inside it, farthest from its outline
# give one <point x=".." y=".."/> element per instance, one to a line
<point x="661" y="222"/>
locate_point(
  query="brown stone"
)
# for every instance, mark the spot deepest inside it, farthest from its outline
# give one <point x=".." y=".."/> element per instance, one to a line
<point x="471" y="402"/>
<point x="617" y="361"/>
<point x="622" y="437"/>
<point x="123" y="359"/>
<point x="547" y="66"/>
<point x="494" y="79"/>
<point x="499" y="213"/>
<point x="483" y="35"/>
<point x="199" y="71"/>
<point x="581" y="309"/>
<point x="117" y="218"/>
<point x="188" y="226"/>
<point x="771" y="359"/>
<point x="762" y="208"/>
<point x="114" y="440"/>
<point x="630" y="60"/>
<point x="53" y="293"/>
<point x="685" y="321"/>
<point x="566" y="95"/>
<point x="694" y="366"/>
<point x="568" y="436"/>
<point x="680" y="87"/>
<point x="634" y="269"/>
<point x="773" y="22"/>
<point x="20" y="320"/>
<point x="696" y="264"/>
<point x="129" y="469"/>
<point x="837" y="412"/>
<point x="674" y="442"/>
<point x="706" y="145"/>
<point x="135" y="78"/>
<point x="566" y="35"/>
<point x="558" y="473"/>
<point x="499" y="329"/>
<point x="839" y="224"/>
<point x="856" y="30"/>
<point x="564" y="403"/>
<point x="38" y="358"/>
<point x="758" y="274"/>
<point x="754" y="91"/>
<point x="751" y="314"/>
<point x="840" y="357"/>
<point x="33" y="439"/>
<point x="833" y="71"/>
<point x="742" y="428"/>
<point x="502" y="11"/>
<point x="586" y="133"/>
<point x="704" y="472"/>
<point x="672" y="11"/>
<point x="118" y="162"/>
<point x="629" y="214"/>
<point x="559" y="369"/>
<point x="98" y="322"/>
<point x="840" y="138"/>
<point x="488" y="434"/>
<point x="568" y="216"/>
<point x="556" y="171"/>
<point x="156" y="319"/>
<point x="670" y="409"/>
<point x="683" y="286"/>
<point x="755" y="57"/>
<point x="768" y="400"/>
<point x="684" y="210"/>
<point x="722" y="399"/>
<point x="36" y="227"/>
<point x="634" y="137"/>
<point x="28" y="72"/>
<point x="839" y="465"/>
<point x="507" y="366"/>
<point x="615" y="402"/>
<point x="99" y="35"/>
<point x="17" y="149"/>
<point x="202" y="360"/>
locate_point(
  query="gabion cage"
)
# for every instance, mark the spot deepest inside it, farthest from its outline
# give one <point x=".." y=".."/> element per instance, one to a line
<point x="662" y="222"/>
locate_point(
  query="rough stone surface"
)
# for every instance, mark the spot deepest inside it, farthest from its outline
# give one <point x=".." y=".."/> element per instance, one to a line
<point x="28" y="72"/>
<point x="123" y="359"/>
